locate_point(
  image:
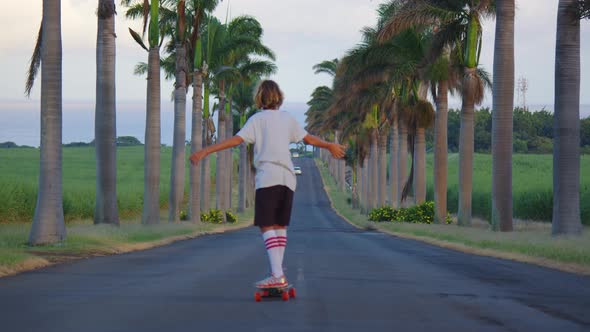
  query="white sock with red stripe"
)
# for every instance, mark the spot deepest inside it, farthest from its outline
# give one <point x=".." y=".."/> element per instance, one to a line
<point x="282" y="236"/>
<point x="273" y="248"/>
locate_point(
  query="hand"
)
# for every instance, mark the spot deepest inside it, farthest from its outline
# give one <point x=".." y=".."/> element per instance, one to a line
<point x="197" y="156"/>
<point x="337" y="150"/>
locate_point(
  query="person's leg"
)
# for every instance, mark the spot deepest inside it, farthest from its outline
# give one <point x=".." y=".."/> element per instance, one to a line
<point x="283" y="218"/>
<point x="264" y="215"/>
<point x="273" y="248"/>
<point x="281" y="232"/>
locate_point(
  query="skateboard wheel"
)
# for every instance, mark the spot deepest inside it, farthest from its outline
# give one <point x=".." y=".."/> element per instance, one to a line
<point x="292" y="292"/>
<point x="257" y="297"/>
<point x="285" y="296"/>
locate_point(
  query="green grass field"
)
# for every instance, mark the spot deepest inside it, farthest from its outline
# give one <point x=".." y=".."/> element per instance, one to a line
<point x="19" y="174"/>
<point x="532" y="183"/>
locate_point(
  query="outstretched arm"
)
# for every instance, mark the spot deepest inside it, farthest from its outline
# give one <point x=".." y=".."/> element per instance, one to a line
<point x="228" y="143"/>
<point x="336" y="150"/>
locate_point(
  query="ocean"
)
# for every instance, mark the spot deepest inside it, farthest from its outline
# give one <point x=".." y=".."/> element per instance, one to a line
<point x="20" y="120"/>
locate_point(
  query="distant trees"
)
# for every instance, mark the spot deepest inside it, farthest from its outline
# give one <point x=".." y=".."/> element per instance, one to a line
<point x="533" y="132"/>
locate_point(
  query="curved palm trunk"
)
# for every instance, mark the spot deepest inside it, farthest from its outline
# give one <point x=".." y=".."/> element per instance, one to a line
<point x="503" y="107"/>
<point x="420" y="166"/>
<point x="196" y="145"/>
<point x="382" y="169"/>
<point x="441" y="153"/>
<point x="393" y="163"/>
<point x="566" y="125"/>
<point x="48" y="222"/>
<point x="402" y="166"/>
<point x="105" y="127"/>
<point x="151" y="192"/>
<point x="178" y="150"/>
<point x="466" y="142"/>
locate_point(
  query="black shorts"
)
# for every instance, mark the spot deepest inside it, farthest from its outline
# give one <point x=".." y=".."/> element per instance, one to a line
<point x="273" y="206"/>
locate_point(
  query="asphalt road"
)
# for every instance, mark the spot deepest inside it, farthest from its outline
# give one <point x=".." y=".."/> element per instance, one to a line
<point x="346" y="280"/>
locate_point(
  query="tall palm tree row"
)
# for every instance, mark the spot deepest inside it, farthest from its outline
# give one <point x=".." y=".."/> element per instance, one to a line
<point x="458" y="26"/>
<point x="218" y="62"/>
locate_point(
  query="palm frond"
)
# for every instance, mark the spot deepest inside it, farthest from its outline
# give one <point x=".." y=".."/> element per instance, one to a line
<point x="140" y="69"/>
<point x="34" y="63"/>
<point x="138" y="39"/>
<point x="328" y="67"/>
<point x="416" y="14"/>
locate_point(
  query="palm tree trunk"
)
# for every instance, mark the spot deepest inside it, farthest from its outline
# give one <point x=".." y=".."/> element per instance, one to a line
<point x="402" y="166"/>
<point x="466" y="142"/>
<point x="242" y="174"/>
<point x="354" y="197"/>
<point x="105" y="126"/>
<point x="221" y="166"/>
<point x="151" y="192"/>
<point x="503" y="107"/>
<point x="206" y="164"/>
<point x="393" y="156"/>
<point x="374" y="186"/>
<point x="196" y="145"/>
<point x="441" y="153"/>
<point x="382" y="169"/>
<point x="566" y="125"/>
<point x="365" y="186"/>
<point x="229" y="157"/>
<point x="48" y="222"/>
<point x="179" y="136"/>
<point x="420" y="166"/>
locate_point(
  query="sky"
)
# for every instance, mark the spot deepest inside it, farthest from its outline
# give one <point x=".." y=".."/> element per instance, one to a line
<point x="301" y="32"/>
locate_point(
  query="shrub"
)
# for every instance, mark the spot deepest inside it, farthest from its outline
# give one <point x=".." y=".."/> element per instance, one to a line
<point x="230" y="217"/>
<point x="183" y="215"/>
<point x="214" y="216"/>
<point x="418" y="214"/>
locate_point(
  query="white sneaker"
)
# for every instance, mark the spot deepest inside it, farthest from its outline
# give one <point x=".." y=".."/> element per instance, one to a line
<point x="272" y="282"/>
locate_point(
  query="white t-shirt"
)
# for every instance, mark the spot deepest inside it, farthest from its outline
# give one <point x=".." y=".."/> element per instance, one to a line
<point x="271" y="132"/>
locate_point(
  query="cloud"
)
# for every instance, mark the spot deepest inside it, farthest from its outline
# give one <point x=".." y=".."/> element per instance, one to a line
<point x="302" y="33"/>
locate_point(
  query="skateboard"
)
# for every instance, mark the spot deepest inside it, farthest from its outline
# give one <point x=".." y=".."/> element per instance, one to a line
<point x="283" y="292"/>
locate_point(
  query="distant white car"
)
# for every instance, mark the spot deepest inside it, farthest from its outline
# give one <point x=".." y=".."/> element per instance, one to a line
<point x="298" y="170"/>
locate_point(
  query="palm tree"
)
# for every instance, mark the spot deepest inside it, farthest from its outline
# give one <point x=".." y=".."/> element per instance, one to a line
<point x="179" y="136"/>
<point x="151" y="200"/>
<point x="235" y="43"/>
<point x="106" y="211"/>
<point x="458" y="22"/>
<point x="200" y="70"/>
<point x="566" y="127"/>
<point x="502" y="117"/>
<point x="48" y="221"/>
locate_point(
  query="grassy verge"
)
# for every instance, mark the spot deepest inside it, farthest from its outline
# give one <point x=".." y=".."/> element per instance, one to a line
<point x="531" y="242"/>
<point x="87" y="240"/>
